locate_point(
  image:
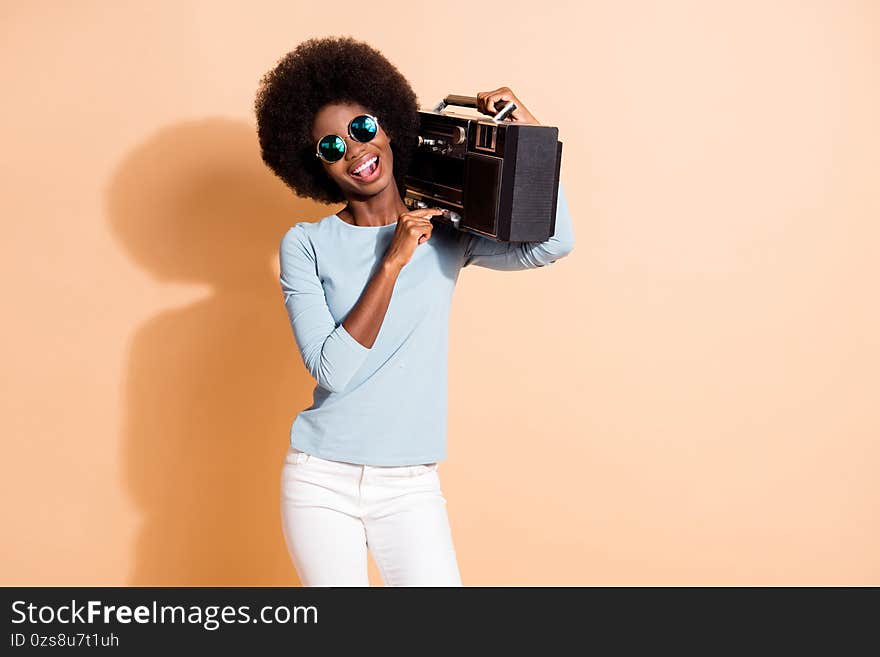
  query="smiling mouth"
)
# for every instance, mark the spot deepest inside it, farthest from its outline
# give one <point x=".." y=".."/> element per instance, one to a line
<point x="366" y="170"/>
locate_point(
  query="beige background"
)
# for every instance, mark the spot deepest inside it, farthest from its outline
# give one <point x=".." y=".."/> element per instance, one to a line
<point x="690" y="398"/>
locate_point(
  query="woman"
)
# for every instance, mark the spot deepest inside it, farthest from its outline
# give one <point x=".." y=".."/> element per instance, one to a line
<point x="368" y="292"/>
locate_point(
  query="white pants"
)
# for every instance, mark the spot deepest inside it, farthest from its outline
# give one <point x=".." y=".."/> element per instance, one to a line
<point x="333" y="512"/>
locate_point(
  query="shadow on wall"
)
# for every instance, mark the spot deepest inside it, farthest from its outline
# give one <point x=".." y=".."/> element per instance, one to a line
<point x="211" y="388"/>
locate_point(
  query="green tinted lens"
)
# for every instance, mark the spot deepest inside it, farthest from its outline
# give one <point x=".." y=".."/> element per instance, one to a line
<point x="363" y="127"/>
<point x="331" y="148"/>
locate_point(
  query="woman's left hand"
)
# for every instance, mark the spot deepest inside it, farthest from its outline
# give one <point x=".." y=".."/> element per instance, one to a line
<point x="490" y="102"/>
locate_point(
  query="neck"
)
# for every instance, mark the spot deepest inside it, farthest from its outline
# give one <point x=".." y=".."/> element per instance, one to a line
<point x="377" y="210"/>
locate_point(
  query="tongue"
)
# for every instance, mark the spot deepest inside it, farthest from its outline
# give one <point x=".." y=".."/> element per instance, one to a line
<point x="368" y="171"/>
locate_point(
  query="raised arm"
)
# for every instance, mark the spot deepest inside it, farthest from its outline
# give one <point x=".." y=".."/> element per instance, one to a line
<point x="512" y="256"/>
<point x="328" y="350"/>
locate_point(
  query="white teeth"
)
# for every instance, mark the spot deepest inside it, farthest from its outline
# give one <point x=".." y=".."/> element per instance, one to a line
<point x="365" y="164"/>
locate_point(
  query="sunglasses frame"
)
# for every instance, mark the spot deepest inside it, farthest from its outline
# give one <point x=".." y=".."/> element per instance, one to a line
<point x="318" y="153"/>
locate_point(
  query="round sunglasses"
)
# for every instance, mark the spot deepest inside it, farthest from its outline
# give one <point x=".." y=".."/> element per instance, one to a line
<point x="362" y="128"/>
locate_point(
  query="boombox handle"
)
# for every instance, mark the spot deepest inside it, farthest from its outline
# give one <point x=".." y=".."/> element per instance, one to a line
<point x="471" y="101"/>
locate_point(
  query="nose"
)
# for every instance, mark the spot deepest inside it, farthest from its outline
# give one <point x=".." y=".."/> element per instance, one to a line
<point x="353" y="148"/>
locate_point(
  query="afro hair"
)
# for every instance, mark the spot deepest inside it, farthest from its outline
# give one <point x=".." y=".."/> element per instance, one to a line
<point x="321" y="71"/>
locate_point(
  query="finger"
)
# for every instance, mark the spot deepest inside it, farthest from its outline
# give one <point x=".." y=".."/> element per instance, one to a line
<point x="421" y="211"/>
<point x="495" y="91"/>
<point x="484" y="103"/>
<point x="500" y="91"/>
<point x="419" y="228"/>
<point x="417" y="221"/>
<point x="499" y="97"/>
<point x="424" y="212"/>
<point x="419" y="225"/>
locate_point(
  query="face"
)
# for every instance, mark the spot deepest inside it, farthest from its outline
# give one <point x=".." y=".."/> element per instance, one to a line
<point x="334" y="119"/>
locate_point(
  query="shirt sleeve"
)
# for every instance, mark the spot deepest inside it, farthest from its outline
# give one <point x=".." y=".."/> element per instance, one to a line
<point x="511" y="256"/>
<point x="328" y="350"/>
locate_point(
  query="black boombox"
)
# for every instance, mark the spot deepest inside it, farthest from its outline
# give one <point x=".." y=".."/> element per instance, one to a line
<point x="495" y="178"/>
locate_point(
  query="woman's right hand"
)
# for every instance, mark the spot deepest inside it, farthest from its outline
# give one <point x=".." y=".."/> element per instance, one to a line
<point x="413" y="228"/>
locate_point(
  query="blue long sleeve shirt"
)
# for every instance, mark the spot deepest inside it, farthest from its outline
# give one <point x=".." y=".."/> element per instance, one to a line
<point x="386" y="404"/>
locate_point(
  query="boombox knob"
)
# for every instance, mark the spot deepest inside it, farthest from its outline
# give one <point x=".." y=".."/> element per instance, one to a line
<point x="453" y="217"/>
<point x="460" y="135"/>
